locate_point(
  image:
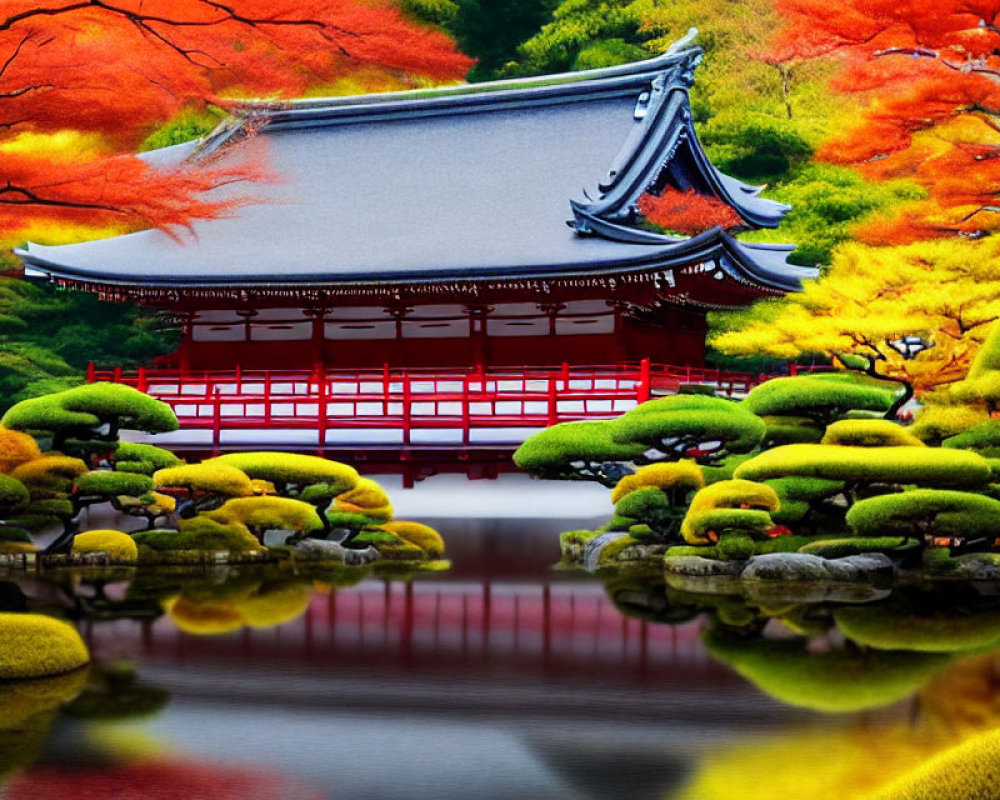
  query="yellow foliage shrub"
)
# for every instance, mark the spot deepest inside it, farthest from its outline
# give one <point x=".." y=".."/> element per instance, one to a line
<point x="681" y="474"/>
<point x="119" y="546"/>
<point x="367" y="498"/>
<point x="262" y="487"/>
<point x="213" y="478"/>
<point x="423" y="536"/>
<point x="16" y="448"/>
<point x="36" y="646"/>
<point x="869" y="433"/>
<point x="49" y="469"/>
<point x="260" y="514"/>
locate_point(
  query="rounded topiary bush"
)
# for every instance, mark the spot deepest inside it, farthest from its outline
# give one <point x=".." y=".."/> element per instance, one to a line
<point x="368" y="498"/>
<point x="216" y="478"/>
<point x="282" y="469"/>
<point x="105" y="483"/>
<point x="690" y="426"/>
<point x="36" y="646"/>
<point x="119" y="546"/>
<point x="423" y="536"/>
<point x="260" y="514"/>
<point x="923" y="512"/>
<point x="574" y="451"/>
<point x="869" y="433"/>
<point x="680" y="476"/>
<point x="922" y="466"/>
<point x="143" y="458"/>
<point x="820" y="398"/>
<point x="16" y="448"/>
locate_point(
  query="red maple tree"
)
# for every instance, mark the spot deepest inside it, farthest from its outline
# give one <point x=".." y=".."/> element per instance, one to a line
<point x="119" y="68"/>
<point x="687" y="212"/>
<point x="929" y="72"/>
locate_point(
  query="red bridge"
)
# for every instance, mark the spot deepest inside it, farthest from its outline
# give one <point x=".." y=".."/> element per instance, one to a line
<point x="404" y="419"/>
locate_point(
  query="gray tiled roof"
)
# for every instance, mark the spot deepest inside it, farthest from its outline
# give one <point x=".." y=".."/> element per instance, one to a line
<point x="470" y="181"/>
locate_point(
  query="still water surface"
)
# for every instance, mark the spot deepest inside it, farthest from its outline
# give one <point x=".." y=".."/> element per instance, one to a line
<point x="499" y="679"/>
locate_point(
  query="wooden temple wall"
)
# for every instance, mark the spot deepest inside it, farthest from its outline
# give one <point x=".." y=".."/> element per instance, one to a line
<point x="524" y="334"/>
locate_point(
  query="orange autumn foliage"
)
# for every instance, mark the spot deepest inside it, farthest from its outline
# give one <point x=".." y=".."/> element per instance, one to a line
<point x="687" y="212"/>
<point x="120" y="68"/>
<point x="929" y="73"/>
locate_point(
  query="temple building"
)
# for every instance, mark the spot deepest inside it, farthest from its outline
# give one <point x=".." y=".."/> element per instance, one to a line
<point x="481" y="224"/>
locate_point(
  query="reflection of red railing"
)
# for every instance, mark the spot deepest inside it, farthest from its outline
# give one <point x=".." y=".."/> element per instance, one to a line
<point x="467" y="402"/>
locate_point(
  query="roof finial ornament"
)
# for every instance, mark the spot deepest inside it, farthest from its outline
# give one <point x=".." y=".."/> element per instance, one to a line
<point x="684" y="42"/>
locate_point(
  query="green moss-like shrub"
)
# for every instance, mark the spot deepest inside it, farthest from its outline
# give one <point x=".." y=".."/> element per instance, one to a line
<point x="936" y="423"/>
<point x="282" y="469"/>
<point x="969" y="771"/>
<point x="839" y="548"/>
<point x="790" y="430"/>
<point x="119" y="546"/>
<point x="36" y="646"/>
<point x="682" y="425"/>
<point x="105" y="483"/>
<point x="574" y="451"/>
<point x="390" y="546"/>
<point x="680" y="476"/>
<point x="835" y="681"/>
<point x="735" y="546"/>
<point x="143" y="458"/>
<point x="922" y="466"/>
<point x="923" y="512"/>
<point x="14" y="496"/>
<point x="717" y="523"/>
<point x="889" y="627"/>
<point x="649" y="506"/>
<point x="983" y="438"/>
<point x="216" y="478"/>
<point x="820" y="398"/>
<point x="869" y="433"/>
<point x="422" y="536"/>
<point x="734" y="506"/>
<point x="81" y="409"/>
<point x="801" y="496"/>
<point x="199" y="534"/>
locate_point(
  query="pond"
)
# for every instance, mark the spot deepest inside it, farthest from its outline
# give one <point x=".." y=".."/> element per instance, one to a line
<point x="501" y="678"/>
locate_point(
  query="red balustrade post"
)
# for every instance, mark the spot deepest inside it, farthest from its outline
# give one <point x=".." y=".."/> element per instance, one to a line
<point x="406" y="408"/>
<point x="116" y="376"/>
<point x="239" y="380"/>
<point x="643" y="390"/>
<point x="321" y="416"/>
<point x="267" y="398"/>
<point x="142" y="382"/>
<point x="553" y="415"/>
<point x="216" y="422"/>
<point x="466" y="410"/>
<point x="564" y="373"/>
<point x="386" y="386"/>
<point x="91" y="372"/>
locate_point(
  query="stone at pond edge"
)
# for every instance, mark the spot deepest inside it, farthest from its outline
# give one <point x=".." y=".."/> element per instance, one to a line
<point x="806" y="567"/>
<point x="321" y="549"/>
<point x="696" y="566"/>
<point x="36" y="646"/>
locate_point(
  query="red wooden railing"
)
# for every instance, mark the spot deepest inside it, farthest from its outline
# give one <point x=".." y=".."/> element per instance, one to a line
<point x="464" y="400"/>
